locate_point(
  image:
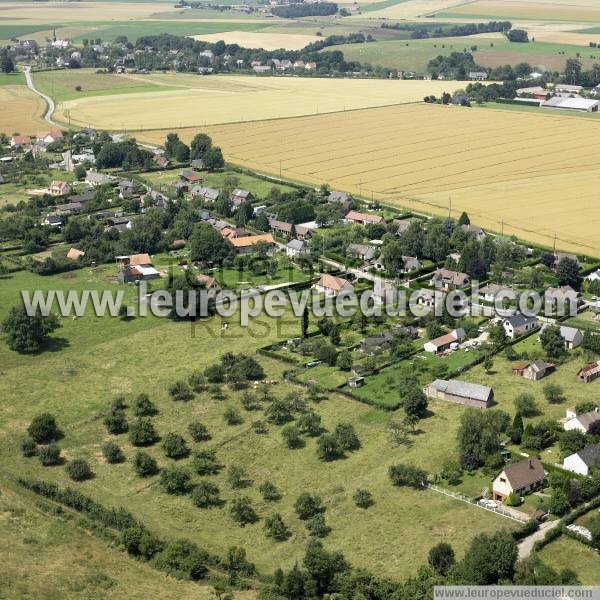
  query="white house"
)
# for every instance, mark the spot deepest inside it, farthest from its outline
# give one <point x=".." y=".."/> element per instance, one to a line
<point x="296" y="248"/>
<point x="582" y="462"/>
<point x="572" y="336"/>
<point x="331" y="285"/>
<point x="445" y="341"/>
<point x="594" y="276"/>
<point x="519" y="324"/>
<point x="581" y="422"/>
<point x="519" y="478"/>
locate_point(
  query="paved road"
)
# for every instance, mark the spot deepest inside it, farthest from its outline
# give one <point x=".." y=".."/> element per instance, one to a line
<point x="50" y="106"/>
<point x="526" y="545"/>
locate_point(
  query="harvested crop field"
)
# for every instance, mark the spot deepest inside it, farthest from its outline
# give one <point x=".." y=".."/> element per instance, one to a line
<point x="22" y="110"/>
<point x="235" y="98"/>
<point x="535" y="175"/>
<point x="266" y="41"/>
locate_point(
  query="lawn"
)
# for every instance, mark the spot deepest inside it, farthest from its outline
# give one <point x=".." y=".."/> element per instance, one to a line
<point x="241" y="280"/>
<point x="568" y="553"/>
<point x="12" y="79"/>
<point x="584" y="320"/>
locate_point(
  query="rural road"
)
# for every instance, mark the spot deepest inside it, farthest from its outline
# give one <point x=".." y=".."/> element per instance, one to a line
<point x="526" y="545"/>
<point x="50" y="106"/>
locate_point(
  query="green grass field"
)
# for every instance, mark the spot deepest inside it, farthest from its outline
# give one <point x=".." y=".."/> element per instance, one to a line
<point x="12" y="79"/>
<point x="413" y="55"/>
<point x="567" y="553"/>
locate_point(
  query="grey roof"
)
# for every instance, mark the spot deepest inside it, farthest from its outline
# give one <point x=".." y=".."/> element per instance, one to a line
<point x="295" y="245"/>
<point x="339" y="197"/>
<point x="205" y="192"/>
<point x="589" y="454"/>
<point x="100" y="178"/>
<point x="519" y="319"/>
<point x="586" y="419"/>
<point x="463" y="389"/>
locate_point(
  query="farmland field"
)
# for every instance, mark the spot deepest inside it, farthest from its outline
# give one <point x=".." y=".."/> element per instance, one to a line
<point x="22" y="110"/>
<point x="419" y="156"/>
<point x="267" y="41"/>
<point x="232" y="98"/>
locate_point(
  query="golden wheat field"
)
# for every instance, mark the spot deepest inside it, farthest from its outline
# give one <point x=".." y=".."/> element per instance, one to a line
<point x="257" y="39"/>
<point x="234" y="98"/>
<point x="22" y="110"/>
<point x="536" y="176"/>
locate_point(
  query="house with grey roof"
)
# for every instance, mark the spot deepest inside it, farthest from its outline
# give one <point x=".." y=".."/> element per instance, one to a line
<point x="295" y="248"/>
<point x="239" y="196"/>
<point x="562" y="300"/>
<point x="207" y="194"/>
<point x="572" y="336"/>
<point x="519" y="324"/>
<point x="95" y="178"/>
<point x="340" y="198"/>
<point x="449" y="280"/>
<point x="582" y="422"/>
<point x="583" y="461"/>
<point x="362" y="251"/>
<point x="461" y="392"/>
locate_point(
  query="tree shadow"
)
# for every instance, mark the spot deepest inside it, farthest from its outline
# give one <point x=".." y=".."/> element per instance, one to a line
<point x="53" y="344"/>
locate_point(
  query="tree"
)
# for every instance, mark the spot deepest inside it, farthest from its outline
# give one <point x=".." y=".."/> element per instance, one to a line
<point x="205" y="462"/>
<point x="49" y="455"/>
<point x="478" y="437"/>
<point x="43" y="429"/>
<point x="317" y="527"/>
<point x="175" y="446"/>
<point x="304" y="323"/>
<point x="488" y="363"/>
<point x="571" y="442"/>
<point x="232" y="416"/>
<point x="552" y="342"/>
<point x="269" y="492"/>
<point x="344" y="360"/>
<point x="346" y="437"/>
<point x="142" y="432"/>
<point x="6" y="64"/>
<point x="559" y="502"/>
<point x="309" y="423"/>
<point x="292" y="436"/>
<point x="206" y="495"/>
<point x="363" y="498"/>
<point x="276" y="529"/>
<point x="441" y="558"/>
<point x="554" y="393"/>
<point x="525" y="405"/>
<point x="516" y="431"/>
<point x="593" y="525"/>
<point x="208" y="246"/>
<point x="180" y="390"/>
<point x="116" y="422"/>
<point x="308" y="505"/>
<point x="182" y="153"/>
<point x="143" y="406"/>
<point x="25" y="334"/>
<point x="183" y="560"/>
<point x="213" y="159"/>
<point x="198" y="431"/>
<point x="572" y="71"/>
<point x="175" y="480"/>
<point x="112" y="453"/>
<point x="323" y="567"/>
<point x="451" y="472"/>
<point x="237" y="477"/>
<point x="328" y="447"/>
<point x="242" y="511"/>
<point x="200" y="145"/>
<point x="415" y="401"/>
<point x="407" y="475"/>
<point x="567" y="272"/>
<point x="517" y="35"/>
<point x="464" y="219"/>
<point x="28" y="447"/>
<point x="78" y="469"/>
<point x="144" y="465"/>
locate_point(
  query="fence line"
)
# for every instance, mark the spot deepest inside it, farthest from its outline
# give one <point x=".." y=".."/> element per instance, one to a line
<point x="462" y="498"/>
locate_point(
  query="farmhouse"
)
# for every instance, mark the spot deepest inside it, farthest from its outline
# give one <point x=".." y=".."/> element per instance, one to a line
<point x="589" y="372"/>
<point x="245" y="245"/>
<point x="238" y="197"/>
<point x="331" y="285"/>
<point x="461" y="392"/>
<point x="535" y="370"/>
<point x="445" y="341"/>
<point x="410" y="263"/>
<point x="520" y="478"/>
<point x="19" y="141"/>
<point x="340" y="198"/>
<point x="207" y="194"/>
<point x="136" y="267"/>
<point x="376" y="343"/>
<point x="295" y="248"/>
<point x="53" y="220"/>
<point x="197" y="164"/>
<point x="583" y="461"/>
<point x="362" y="251"/>
<point x="210" y="283"/>
<point x="519" y="324"/>
<point x="476" y="232"/>
<point x="49" y="137"/>
<point x="581" y="422"/>
<point x="558" y="256"/>
<point x="401" y="225"/>
<point x="449" y="280"/>
<point x="94" y="178"/>
<point x="363" y="218"/>
<point x="572" y="336"/>
<point x="59" y="188"/>
<point x="287" y="229"/>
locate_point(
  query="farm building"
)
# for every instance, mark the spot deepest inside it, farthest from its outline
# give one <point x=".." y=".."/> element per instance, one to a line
<point x="582" y="462"/>
<point x="519" y="324"/>
<point x="331" y="285"/>
<point x="190" y="177"/>
<point x="460" y="392"/>
<point x="520" y="478"/>
<point x="136" y="267"/>
<point x="74" y="254"/>
<point x="535" y="370"/>
<point x="449" y="280"/>
<point x="374" y="344"/>
<point x="445" y="341"/>
<point x="400" y="225"/>
<point x="572" y="336"/>
<point x="577" y="104"/>
<point x="477" y="232"/>
<point x="581" y="422"/>
<point x="245" y="245"/>
<point x="210" y="283"/>
<point x="594" y="276"/>
<point x="363" y="218"/>
<point x="590" y="372"/>
<point x="478" y="76"/>
<point x="94" y="178"/>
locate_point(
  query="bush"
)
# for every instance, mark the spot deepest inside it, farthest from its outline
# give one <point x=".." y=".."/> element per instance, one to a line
<point x="49" y="455"/>
<point x="292" y="436"/>
<point x="197" y="381"/>
<point x="78" y="470"/>
<point x="407" y="475"/>
<point x="143" y="406"/>
<point x="269" y="492"/>
<point x="232" y="416"/>
<point x="142" y="433"/>
<point x="198" y="431"/>
<point x="237" y="477"/>
<point x="180" y="390"/>
<point x="175" y="446"/>
<point x="175" y="480"/>
<point x="554" y="393"/>
<point x="328" y="447"/>
<point x="363" y="498"/>
<point x="526" y="406"/>
<point x="242" y="511"/>
<point x="112" y="453"/>
<point x="116" y="423"/>
<point x="309" y="423"/>
<point x="28" y="447"/>
<point x="182" y="559"/>
<point x="513" y="500"/>
<point x="308" y="505"/>
<point x="441" y="558"/>
<point x="206" y="495"/>
<point x="215" y="374"/>
<point x="205" y="462"/>
<point x="317" y="527"/>
<point x="144" y="465"/>
<point x="346" y="437"/>
<point x="140" y="542"/>
<point x="43" y="429"/>
<point x="276" y="529"/>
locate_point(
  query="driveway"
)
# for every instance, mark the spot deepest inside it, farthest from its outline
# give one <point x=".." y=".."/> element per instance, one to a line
<point x="526" y="545"/>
